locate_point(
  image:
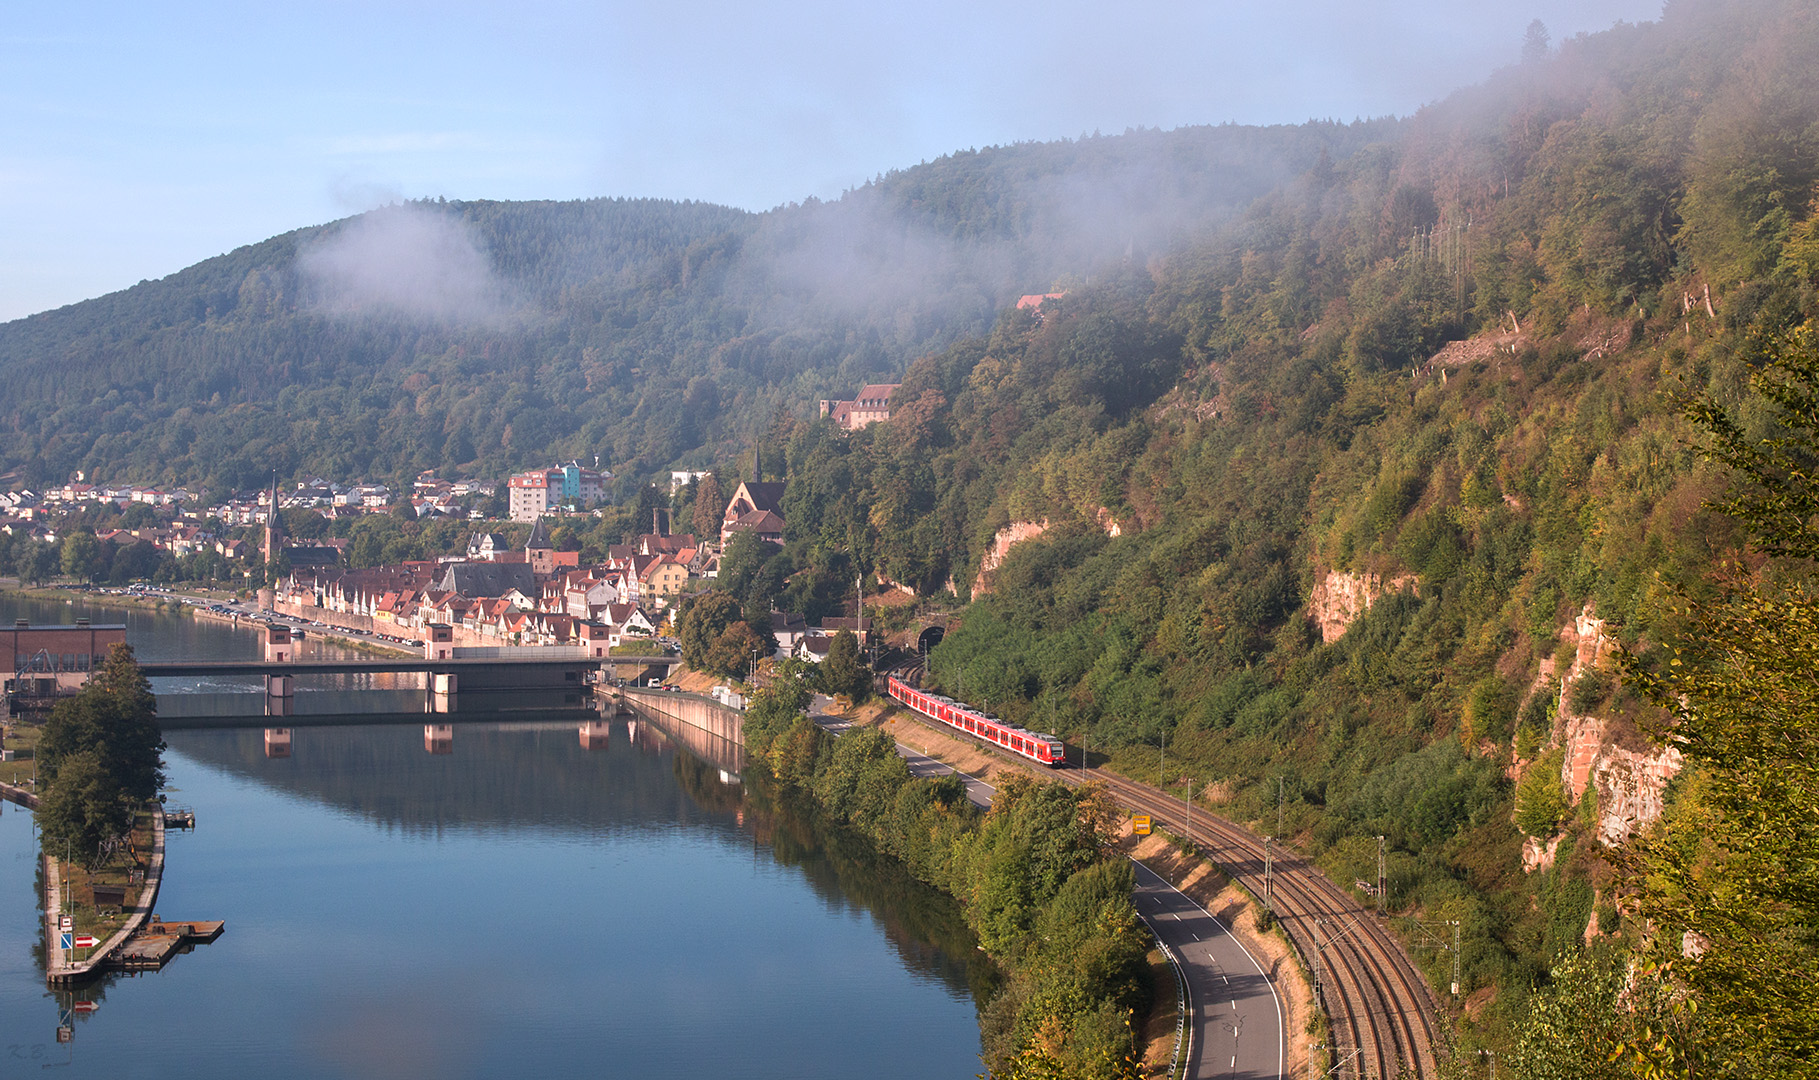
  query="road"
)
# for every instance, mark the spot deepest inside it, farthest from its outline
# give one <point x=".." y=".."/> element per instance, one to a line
<point x="1236" y="1016"/>
<point x="1236" y="1019"/>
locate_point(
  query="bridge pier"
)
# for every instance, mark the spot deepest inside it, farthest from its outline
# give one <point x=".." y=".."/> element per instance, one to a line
<point x="279" y="686"/>
<point x="444" y="683"/>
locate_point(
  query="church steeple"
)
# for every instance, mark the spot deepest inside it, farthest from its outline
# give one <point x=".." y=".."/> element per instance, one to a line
<point x="274" y="535"/>
<point x="757" y="464"/>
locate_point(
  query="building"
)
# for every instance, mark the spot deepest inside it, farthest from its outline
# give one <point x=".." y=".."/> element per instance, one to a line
<point x="47" y="662"/>
<point x="872" y="405"/>
<point x="536" y="493"/>
<point x="1034" y="301"/>
<point x="755" y="507"/>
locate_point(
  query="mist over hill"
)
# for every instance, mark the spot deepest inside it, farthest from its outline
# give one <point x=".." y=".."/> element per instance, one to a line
<point x="486" y="336"/>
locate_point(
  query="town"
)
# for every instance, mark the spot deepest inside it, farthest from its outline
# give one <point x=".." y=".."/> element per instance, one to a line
<point x="491" y="591"/>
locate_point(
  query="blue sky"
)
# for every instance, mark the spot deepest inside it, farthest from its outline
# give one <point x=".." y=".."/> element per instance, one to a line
<point x="138" y="138"/>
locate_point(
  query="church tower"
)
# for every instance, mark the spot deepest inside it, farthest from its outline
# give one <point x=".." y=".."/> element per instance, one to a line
<point x="273" y="534"/>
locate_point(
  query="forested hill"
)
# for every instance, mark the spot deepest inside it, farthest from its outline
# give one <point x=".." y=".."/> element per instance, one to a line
<point x="1348" y="511"/>
<point x="486" y="336"/>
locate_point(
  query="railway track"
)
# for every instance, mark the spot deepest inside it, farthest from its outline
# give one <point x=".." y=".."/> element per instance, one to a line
<point x="1375" y="1000"/>
<point x="1381" y="1014"/>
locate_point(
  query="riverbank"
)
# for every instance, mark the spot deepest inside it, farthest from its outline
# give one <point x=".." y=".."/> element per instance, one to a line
<point x="1192" y="875"/>
<point x="172" y="603"/>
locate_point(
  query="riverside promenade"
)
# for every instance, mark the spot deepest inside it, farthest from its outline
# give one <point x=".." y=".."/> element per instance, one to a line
<point x="59" y="970"/>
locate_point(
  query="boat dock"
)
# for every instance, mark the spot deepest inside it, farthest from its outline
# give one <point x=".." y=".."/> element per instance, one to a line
<point x="158" y="941"/>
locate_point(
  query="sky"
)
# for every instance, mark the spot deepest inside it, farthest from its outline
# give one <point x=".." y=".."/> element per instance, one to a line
<point x="140" y="138"/>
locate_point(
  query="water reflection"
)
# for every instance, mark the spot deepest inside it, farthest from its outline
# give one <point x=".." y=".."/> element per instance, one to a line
<point x="551" y="856"/>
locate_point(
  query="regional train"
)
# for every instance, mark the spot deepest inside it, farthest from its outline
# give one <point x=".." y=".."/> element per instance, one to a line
<point x="1042" y="748"/>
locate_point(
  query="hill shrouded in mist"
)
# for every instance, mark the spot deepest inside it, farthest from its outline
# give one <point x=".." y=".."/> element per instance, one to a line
<point x="491" y="336"/>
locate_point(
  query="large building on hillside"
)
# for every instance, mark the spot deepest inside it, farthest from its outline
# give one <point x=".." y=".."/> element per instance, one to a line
<point x="534" y="494"/>
<point x="872" y="405"/>
<point x="757" y="507"/>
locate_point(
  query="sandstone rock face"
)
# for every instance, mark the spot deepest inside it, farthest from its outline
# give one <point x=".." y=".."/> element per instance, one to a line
<point x="1537" y="855"/>
<point x="1629" y="785"/>
<point x="1631" y="789"/>
<point x="1008" y="537"/>
<point x="1340" y="597"/>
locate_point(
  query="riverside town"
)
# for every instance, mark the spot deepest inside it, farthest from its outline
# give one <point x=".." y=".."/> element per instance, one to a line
<point x="911" y="543"/>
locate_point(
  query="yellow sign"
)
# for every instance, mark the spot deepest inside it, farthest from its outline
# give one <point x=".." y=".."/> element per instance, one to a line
<point x="1140" y="823"/>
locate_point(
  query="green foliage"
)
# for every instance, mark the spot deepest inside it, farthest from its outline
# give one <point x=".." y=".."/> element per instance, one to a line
<point x="843" y="672"/>
<point x="1541" y="804"/>
<point x="1596" y="1019"/>
<point x="100" y="756"/>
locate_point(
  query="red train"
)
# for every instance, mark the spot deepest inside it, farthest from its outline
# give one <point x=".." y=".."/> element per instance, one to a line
<point x="1043" y="748"/>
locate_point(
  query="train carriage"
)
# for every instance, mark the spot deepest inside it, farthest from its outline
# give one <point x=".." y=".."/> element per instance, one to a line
<point x="1038" y="747"/>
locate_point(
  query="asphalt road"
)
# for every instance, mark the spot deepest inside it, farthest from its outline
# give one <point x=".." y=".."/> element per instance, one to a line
<point x="1236" y="1019"/>
<point x="1237" y="1022"/>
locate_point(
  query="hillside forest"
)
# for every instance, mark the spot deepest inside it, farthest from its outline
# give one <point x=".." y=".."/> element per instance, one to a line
<point x="1445" y="479"/>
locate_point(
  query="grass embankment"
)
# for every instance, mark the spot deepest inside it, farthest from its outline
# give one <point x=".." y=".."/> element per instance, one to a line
<point x="23" y="739"/>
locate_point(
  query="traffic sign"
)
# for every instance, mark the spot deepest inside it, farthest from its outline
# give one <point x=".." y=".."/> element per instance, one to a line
<point x="65" y="943"/>
<point x="1140" y="824"/>
<point x="85" y="941"/>
<point x="66" y="923"/>
<point x="85" y="1006"/>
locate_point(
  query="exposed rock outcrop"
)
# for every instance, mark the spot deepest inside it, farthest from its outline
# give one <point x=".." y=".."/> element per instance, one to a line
<point x="1537" y="855"/>
<point x="1008" y="537"/>
<point x="1629" y="785"/>
<point x="1341" y="597"/>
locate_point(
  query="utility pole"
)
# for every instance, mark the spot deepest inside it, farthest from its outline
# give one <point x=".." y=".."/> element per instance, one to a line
<point x="1381" y="895"/>
<point x="1269" y="890"/>
<point x="1456" y="925"/>
<point x="1190" y="809"/>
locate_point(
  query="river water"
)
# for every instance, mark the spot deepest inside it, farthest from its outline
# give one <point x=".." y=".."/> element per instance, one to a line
<point x="516" y="904"/>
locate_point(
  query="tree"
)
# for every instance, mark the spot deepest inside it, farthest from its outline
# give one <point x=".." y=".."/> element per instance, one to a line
<point x="83" y="809"/>
<point x="843" y="672"/>
<point x="101" y="755"/>
<point x="80" y="552"/>
<point x="1732" y="882"/>
<point x="1535" y="42"/>
<point x="710" y="508"/>
<point x="704" y="618"/>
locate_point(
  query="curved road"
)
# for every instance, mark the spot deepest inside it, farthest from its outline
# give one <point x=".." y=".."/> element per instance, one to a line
<point x="1235" y="1019"/>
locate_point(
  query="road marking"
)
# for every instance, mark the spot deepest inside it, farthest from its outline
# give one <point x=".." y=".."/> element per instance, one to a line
<point x="1234" y="1061"/>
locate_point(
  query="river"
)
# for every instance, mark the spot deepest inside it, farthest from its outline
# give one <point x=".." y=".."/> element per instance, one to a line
<point x="521" y="905"/>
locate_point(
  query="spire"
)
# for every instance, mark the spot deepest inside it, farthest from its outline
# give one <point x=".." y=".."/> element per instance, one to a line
<point x="272" y="532"/>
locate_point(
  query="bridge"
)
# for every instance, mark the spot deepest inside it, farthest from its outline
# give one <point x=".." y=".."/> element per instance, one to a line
<point x="448" y="668"/>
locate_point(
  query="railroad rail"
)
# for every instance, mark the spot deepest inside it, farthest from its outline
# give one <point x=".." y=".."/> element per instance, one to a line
<point x="1376" y="1001"/>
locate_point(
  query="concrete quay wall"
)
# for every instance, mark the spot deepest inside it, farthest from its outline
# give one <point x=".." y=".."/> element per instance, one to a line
<point x="704" y="713"/>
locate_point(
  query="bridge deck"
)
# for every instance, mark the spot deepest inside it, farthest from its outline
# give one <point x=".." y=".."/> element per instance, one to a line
<point x="168" y="668"/>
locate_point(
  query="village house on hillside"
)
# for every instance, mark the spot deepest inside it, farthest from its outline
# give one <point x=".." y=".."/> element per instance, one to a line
<point x="872" y="405"/>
